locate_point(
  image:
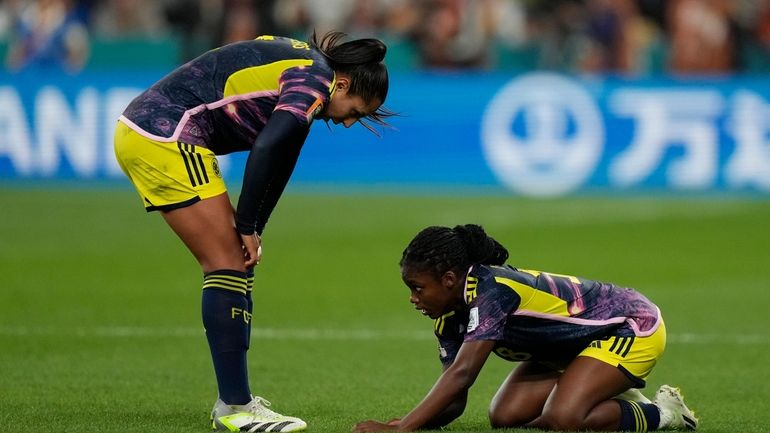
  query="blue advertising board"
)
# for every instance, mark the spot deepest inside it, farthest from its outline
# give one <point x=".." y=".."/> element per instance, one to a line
<point x="536" y="134"/>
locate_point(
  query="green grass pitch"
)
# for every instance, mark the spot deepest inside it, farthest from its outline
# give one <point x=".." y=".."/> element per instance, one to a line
<point x="100" y="318"/>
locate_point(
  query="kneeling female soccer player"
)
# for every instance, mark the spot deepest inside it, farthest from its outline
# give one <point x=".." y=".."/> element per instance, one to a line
<point x="584" y="347"/>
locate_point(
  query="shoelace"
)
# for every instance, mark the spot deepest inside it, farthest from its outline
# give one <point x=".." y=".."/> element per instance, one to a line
<point x="259" y="406"/>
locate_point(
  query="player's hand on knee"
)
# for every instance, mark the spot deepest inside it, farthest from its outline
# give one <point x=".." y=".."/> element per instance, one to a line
<point x="252" y="250"/>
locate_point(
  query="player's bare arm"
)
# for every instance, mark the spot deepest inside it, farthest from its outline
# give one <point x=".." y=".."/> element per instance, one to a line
<point x="451" y="386"/>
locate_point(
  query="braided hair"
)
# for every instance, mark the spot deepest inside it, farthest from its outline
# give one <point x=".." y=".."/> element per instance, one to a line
<point x="441" y="249"/>
<point x="362" y="60"/>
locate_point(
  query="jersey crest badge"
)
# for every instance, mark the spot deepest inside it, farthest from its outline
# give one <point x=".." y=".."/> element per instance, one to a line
<point x="473" y="319"/>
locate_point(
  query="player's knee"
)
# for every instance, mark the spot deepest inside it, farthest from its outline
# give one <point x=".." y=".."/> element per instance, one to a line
<point x="225" y="258"/>
<point x="562" y="419"/>
<point x="499" y="417"/>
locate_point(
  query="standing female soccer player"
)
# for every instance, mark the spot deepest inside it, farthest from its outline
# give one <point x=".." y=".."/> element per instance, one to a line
<point x="580" y="343"/>
<point x="259" y="96"/>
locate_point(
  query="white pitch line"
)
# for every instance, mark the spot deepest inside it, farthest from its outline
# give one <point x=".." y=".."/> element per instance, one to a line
<point x="313" y="334"/>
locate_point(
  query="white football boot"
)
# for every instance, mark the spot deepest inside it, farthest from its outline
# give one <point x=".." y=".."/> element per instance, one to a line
<point x="633" y="394"/>
<point x="674" y="414"/>
<point x="253" y="416"/>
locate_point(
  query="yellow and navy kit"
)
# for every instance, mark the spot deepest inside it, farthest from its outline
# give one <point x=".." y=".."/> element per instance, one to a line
<point x="223" y="99"/>
<point x="258" y="96"/>
<point x="539" y="316"/>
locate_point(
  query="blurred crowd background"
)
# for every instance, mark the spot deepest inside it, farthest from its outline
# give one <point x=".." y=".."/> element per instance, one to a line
<point x="634" y="37"/>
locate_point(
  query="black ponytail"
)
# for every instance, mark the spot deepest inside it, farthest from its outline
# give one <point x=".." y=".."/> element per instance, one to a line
<point x="351" y="53"/>
<point x="441" y="249"/>
<point x="362" y="60"/>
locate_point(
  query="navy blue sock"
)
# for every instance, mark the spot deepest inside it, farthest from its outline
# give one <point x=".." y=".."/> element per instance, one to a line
<point x="226" y="318"/>
<point x="249" y="287"/>
<point x="638" y="417"/>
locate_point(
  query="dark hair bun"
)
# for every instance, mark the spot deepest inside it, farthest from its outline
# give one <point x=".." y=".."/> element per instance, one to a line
<point x="379" y="49"/>
<point x="358" y="52"/>
<point x="479" y="246"/>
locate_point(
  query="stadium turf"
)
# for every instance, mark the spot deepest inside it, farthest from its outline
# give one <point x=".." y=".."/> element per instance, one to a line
<point x="100" y="318"/>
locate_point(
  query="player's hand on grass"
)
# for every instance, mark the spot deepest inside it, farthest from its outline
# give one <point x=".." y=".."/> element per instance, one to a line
<point x="252" y="249"/>
<point x="375" y="426"/>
